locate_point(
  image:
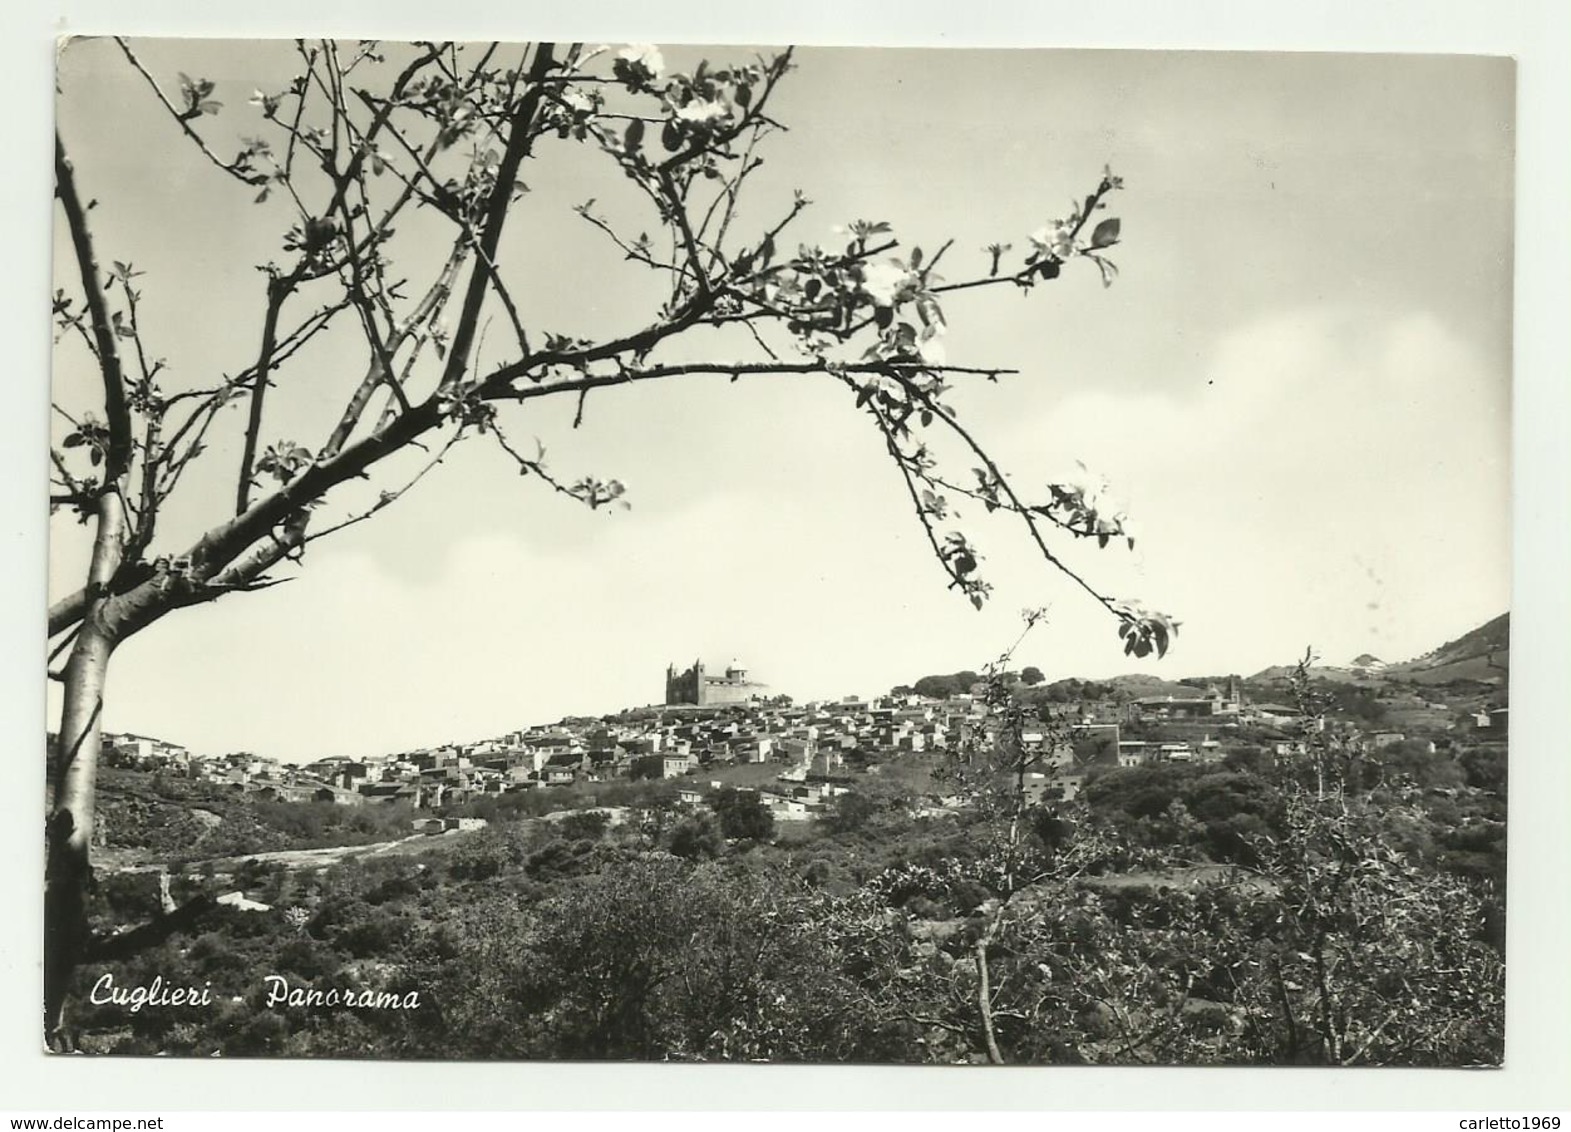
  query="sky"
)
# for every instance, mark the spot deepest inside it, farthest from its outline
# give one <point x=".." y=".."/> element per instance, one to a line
<point x="1299" y="387"/>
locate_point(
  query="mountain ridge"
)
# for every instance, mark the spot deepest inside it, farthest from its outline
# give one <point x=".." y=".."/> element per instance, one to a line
<point x="1481" y="654"/>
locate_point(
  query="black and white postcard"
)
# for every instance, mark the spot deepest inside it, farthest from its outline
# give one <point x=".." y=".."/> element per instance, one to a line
<point x="665" y="553"/>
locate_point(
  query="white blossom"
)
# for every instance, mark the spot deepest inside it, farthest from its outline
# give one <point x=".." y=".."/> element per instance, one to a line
<point x="577" y="101"/>
<point x="1056" y="239"/>
<point x="882" y="282"/>
<point x="703" y="112"/>
<point x="646" y="56"/>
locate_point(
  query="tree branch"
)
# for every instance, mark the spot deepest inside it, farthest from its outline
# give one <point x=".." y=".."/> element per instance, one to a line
<point x="117" y="460"/>
<point x="630" y="374"/>
<point x="278" y="290"/>
<point x="389" y="497"/>
<point x="518" y="147"/>
<point x="943" y="414"/>
<point x="183" y="121"/>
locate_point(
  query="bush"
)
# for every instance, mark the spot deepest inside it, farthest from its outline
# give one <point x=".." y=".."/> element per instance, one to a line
<point x="742" y="814"/>
<point x="697" y="838"/>
<point x="587" y="825"/>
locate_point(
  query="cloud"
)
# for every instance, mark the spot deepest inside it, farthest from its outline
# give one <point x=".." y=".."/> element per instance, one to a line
<point x="1321" y="476"/>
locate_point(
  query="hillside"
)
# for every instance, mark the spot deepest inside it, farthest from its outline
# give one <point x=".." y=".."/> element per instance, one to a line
<point x="1140" y="685"/>
<point x="1483" y="654"/>
<point x="1280" y="674"/>
<point x="155" y="816"/>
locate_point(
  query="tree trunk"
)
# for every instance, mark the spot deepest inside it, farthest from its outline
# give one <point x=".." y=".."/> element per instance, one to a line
<point x="68" y="832"/>
<point x="68" y="872"/>
<point x="984" y="1001"/>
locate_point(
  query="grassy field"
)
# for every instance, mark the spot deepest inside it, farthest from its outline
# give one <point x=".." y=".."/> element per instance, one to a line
<point x="912" y="771"/>
<point x="753" y="776"/>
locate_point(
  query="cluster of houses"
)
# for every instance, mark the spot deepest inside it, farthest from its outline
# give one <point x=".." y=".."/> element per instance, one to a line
<point x="807" y="742"/>
<point x="1221" y="705"/>
<point x="808" y="746"/>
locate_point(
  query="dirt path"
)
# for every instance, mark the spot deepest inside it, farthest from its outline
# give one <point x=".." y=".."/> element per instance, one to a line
<point x="123" y="861"/>
<point x="311" y="858"/>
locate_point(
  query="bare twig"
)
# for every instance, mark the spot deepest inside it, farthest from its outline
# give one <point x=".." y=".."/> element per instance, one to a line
<point x="184" y="122"/>
<point x="389" y="497"/>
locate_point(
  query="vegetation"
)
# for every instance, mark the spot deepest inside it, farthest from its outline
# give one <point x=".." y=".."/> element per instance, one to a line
<point x="1340" y="905"/>
<point x="742" y="814"/>
<point x="389" y="173"/>
<point x="172" y="817"/>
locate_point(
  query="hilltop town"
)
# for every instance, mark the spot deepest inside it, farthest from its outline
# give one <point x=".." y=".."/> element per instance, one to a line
<point x="806" y="843"/>
<point x="730" y="731"/>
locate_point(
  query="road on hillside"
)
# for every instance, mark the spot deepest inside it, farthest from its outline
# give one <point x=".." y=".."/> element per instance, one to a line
<point x="288" y="858"/>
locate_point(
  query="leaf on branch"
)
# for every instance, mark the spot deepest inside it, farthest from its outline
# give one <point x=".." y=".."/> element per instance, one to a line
<point x="936" y="506"/>
<point x="283" y="461"/>
<point x="1105" y="233"/>
<point x="195" y="93"/>
<point x="1107" y="267"/>
<point x="596" y="494"/>
<point x="1143" y="631"/>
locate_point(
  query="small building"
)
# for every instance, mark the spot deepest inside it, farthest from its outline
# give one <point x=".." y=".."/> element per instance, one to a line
<point x="240" y="901"/>
<point x="1132" y="752"/>
<point x="338" y="796"/>
<point x="661" y="766"/>
<point x="1040" y="788"/>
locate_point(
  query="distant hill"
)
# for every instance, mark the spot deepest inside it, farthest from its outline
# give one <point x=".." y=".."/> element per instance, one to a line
<point x="1483" y="654"/>
<point x="1348" y="674"/>
<point x="1142" y="686"/>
